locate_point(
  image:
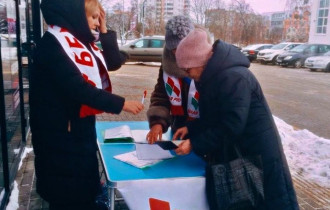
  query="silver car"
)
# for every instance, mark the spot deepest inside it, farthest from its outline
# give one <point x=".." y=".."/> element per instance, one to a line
<point x="270" y="55"/>
<point x="319" y="62"/>
<point x="146" y="49"/>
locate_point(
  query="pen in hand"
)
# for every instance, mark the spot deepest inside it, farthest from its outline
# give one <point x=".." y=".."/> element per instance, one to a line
<point x="144" y="96"/>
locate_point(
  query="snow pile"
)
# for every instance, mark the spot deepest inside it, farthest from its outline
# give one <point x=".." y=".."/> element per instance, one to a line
<point x="307" y="154"/>
<point x="26" y="151"/>
<point x="13" y="200"/>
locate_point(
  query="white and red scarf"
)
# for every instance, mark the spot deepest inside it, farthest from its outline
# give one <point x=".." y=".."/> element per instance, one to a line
<point x="173" y="89"/>
<point x="84" y="61"/>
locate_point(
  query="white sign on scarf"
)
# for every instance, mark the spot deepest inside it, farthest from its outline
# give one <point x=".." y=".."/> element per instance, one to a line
<point x="193" y="97"/>
<point x="79" y="54"/>
<point x="173" y="89"/>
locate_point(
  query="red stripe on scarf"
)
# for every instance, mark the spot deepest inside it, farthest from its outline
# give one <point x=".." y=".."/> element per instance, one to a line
<point x="177" y="110"/>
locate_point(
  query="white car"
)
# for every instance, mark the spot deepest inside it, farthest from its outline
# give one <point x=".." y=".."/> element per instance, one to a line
<point x="270" y="55"/>
<point x="319" y="62"/>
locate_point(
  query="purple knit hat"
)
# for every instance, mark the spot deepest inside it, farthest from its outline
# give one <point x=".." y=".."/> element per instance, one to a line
<point x="194" y="50"/>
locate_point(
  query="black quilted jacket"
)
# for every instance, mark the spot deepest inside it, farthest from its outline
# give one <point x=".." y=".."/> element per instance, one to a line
<point x="233" y="108"/>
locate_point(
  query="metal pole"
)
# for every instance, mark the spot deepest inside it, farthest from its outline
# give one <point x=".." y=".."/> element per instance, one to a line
<point x="144" y="1"/>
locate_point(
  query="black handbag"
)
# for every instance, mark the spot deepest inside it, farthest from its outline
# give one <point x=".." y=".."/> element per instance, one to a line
<point x="236" y="184"/>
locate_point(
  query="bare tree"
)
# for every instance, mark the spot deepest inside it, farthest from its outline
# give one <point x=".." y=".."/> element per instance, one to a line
<point x="199" y="7"/>
<point x="244" y="23"/>
<point x="237" y="24"/>
<point x="294" y="4"/>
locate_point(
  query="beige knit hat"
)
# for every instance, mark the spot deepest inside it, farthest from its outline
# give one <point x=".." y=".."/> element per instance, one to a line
<point x="194" y="50"/>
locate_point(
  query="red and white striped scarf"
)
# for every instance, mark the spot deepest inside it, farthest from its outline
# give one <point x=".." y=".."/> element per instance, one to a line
<point x="173" y="89"/>
<point x="85" y="62"/>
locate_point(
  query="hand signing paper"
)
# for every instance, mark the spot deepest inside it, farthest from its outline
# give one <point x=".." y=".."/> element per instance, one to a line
<point x="155" y="133"/>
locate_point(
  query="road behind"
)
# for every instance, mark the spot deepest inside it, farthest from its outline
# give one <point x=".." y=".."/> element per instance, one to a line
<point x="299" y="97"/>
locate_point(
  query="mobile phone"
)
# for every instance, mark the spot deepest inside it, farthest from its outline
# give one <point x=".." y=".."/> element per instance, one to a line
<point x="166" y="145"/>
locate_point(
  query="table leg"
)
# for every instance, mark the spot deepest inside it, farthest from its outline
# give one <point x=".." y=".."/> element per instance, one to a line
<point x="112" y="198"/>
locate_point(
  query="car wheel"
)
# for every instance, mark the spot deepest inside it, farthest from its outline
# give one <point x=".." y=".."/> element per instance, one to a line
<point x="274" y="60"/>
<point x="298" y="64"/>
<point x="312" y="69"/>
<point x="327" y="69"/>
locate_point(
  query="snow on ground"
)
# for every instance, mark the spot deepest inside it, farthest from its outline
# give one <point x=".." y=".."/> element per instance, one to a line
<point x="26" y="151"/>
<point x="307" y="154"/>
<point x="13" y="200"/>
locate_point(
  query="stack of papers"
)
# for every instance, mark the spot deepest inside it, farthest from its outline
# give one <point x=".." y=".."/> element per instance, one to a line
<point x="131" y="158"/>
<point x="152" y="152"/>
<point x="120" y="134"/>
<point x="145" y="154"/>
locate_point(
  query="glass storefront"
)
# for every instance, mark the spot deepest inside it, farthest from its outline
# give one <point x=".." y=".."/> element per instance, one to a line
<point x="13" y="91"/>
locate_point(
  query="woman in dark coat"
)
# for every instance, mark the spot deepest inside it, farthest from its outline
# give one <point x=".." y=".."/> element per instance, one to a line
<point x="69" y="85"/>
<point x="233" y="108"/>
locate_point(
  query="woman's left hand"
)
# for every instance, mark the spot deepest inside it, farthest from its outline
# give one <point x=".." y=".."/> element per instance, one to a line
<point x="184" y="148"/>
<point x="103" y="26"/>
<point x="180" y="133"/>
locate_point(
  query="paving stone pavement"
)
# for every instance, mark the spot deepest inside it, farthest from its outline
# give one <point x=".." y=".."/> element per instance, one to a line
<point x="130" y="81"/>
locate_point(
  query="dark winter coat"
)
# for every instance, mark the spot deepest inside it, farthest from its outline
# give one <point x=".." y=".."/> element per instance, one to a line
<point x="233" y="108"/>
<point x="64" y="144"/>
<point x="160" y="105"/>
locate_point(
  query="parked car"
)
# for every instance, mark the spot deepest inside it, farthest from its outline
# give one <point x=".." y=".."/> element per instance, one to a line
<point x="270" y="55"/>
<point x="251" y="51"/>
<point x="319" y="62"/>
<point x="297" y="56"/>
<point x="146" y="49"/>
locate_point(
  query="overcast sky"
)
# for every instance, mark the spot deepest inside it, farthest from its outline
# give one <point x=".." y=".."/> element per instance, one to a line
<point x="258" y="6"/>
<point x="261" y="6"/>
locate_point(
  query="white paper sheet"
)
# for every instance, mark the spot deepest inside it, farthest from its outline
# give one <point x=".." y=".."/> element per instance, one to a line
<point x="140" y="135"/>
<point x="151" y="152"/>
<point x="131" y="158"/>
<point x="118" y="132"/>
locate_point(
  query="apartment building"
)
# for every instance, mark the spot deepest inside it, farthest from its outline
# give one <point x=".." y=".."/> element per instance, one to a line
<point x="320" y="28"/>
<point x="162" y="10"/>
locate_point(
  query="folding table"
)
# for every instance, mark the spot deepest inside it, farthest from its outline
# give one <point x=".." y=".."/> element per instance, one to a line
<point x="116" y="171"/>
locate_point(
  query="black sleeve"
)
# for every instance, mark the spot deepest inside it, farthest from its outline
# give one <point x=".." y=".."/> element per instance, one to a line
<point x="68" y="79"/>
<point x="111" y="54"/>
<point x="233" y="103"/>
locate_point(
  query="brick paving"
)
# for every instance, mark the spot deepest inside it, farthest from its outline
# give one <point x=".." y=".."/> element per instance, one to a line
<point x="130" y="82"/>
